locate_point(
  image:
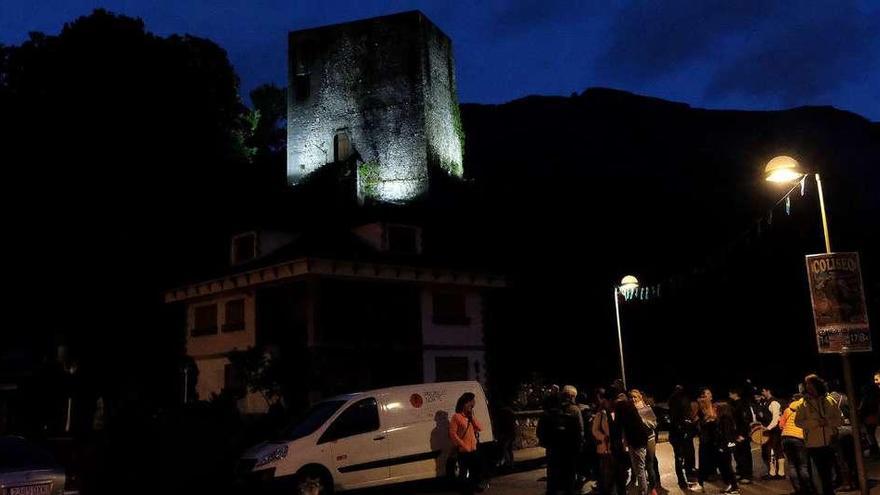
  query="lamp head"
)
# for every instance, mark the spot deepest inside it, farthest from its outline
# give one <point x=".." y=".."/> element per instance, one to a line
<point x="783" y="169"/>
<point x="629" y="283"/>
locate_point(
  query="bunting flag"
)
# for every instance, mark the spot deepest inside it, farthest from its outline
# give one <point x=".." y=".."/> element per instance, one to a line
<point x="714" y="263"/>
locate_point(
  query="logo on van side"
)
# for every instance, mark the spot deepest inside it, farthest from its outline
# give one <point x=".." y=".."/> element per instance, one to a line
<point x="434" y="396"/>
<point x="416" y="400"/>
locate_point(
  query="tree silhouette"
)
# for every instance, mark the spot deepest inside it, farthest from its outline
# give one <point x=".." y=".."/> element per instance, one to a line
<point x="129" y="158"/>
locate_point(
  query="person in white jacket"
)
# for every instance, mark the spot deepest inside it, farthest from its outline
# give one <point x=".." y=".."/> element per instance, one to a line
<point x="820" y="418"/>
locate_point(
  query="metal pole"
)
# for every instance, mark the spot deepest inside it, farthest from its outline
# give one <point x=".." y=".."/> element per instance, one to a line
<point x="619" y="336"/>
<point x="185" y="384"/>
<point x="854" y="421"/>
<point x="69" y="413"/>
<point x="847" y="368"/>
<point x="824" y="218"/>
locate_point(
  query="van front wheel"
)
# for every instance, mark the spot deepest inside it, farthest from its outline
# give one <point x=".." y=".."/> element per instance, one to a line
<point x="313" y="480"/>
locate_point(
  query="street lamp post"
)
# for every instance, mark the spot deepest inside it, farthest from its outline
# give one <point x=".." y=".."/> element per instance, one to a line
<point x="628" y="283"/>
<point x="784" y="169"/>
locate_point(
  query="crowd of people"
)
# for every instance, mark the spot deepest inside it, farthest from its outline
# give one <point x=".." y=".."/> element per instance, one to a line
<point x="611" y="438"/>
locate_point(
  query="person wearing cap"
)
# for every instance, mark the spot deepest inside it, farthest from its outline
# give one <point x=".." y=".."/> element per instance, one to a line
<point x="561" y="430"/>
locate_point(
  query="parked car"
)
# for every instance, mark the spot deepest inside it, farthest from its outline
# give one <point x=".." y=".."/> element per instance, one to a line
<point x="365" y="439"/>
<point x="26" y="469"/>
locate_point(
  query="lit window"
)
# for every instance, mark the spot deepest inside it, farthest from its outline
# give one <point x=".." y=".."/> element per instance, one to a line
<point x="234" y="320"/>
<point x="204" y="320"/>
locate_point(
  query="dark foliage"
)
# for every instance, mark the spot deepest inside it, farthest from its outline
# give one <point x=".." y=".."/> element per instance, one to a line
<point x="126" y="159"/>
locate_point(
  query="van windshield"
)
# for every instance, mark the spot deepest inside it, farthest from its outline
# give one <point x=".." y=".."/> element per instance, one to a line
<point x="312" y="419"/>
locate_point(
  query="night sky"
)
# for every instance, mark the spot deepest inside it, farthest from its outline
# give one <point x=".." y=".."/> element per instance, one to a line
<point x="748" y="54"/>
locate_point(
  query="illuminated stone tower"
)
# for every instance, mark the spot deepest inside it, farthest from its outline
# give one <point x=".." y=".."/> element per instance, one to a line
<point x="379" y="92"/>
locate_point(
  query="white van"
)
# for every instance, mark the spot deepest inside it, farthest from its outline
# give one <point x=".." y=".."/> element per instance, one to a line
<point x="366" y="439"/>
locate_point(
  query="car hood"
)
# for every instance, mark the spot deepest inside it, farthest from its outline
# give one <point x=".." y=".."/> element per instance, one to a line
<point x="264" y="448"/>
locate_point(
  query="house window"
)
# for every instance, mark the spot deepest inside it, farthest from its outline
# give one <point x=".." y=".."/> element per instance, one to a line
<point x="244" y="248"/>
<point x="450" y="309"/>
<point x="403" y="239"/>
<point x="204" y="320"/>
<point x="341" y="146"/>
<point x="233" y="383"/>
<point x="234" y="320"/>
<point x="451" y="368"/>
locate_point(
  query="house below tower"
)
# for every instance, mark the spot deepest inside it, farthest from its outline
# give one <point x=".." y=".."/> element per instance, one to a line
<point x="341" y="311"/>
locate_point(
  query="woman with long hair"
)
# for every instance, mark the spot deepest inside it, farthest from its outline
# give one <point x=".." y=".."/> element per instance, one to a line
<point x="646" y="412"/>
<point x="708" y="421"/>
<point x="463" y="432"/>
<point x="726" y="442"/>
<point x="820" y="418"/>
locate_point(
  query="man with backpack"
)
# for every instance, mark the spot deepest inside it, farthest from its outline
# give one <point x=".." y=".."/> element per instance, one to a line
<point x="768" y="411"/>
<point x="820" y="418"/>
<point x="561" y="433"/>
<point x="636" y="435"/>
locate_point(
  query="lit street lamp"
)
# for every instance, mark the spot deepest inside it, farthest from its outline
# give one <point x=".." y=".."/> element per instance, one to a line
<point x="628" y="284"/>
<point x="785" y="169"/>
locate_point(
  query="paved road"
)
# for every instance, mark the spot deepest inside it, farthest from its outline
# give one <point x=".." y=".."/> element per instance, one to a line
<point x="529" y="481"/>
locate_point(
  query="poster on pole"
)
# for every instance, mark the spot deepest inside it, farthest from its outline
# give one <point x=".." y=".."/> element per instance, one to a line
<point x="838" y="298"/>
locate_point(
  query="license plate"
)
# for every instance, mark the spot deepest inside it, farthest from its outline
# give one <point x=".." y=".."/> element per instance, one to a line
<point x="41" y="489"/>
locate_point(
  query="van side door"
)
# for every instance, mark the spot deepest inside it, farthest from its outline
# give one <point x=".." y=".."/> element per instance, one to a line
<point x="419" y="436"/>
<point x="358" y="445"/>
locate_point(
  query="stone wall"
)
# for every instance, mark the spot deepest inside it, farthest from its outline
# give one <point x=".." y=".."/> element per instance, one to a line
<point x="445" y="136"/>
<point x="386" y="84"/>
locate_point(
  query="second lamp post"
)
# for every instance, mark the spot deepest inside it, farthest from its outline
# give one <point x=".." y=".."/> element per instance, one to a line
<point x="627" y="285"/>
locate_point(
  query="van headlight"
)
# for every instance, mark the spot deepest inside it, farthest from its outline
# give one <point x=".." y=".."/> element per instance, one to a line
<point x="275" y="455"/>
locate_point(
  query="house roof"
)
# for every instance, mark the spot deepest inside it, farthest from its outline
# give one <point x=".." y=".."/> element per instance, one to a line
<point x="334" y="253"/>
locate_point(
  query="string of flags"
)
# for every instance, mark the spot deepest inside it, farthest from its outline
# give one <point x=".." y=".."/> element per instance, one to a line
<point x="678" y="281"/>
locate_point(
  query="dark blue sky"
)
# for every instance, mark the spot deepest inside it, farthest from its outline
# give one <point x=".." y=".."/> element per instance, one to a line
<point x="751" y="54"/>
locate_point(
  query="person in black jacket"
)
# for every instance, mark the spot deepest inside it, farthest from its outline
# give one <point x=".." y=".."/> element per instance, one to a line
<point x="869" y="411"/>
<point x="561" y="432"/>
<point x="635" y="433"/>
<point x="742" y="452"/>
<point x="725" y="444"/>
<point x="681" y="435"/>
<point x="708" y="420"/>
